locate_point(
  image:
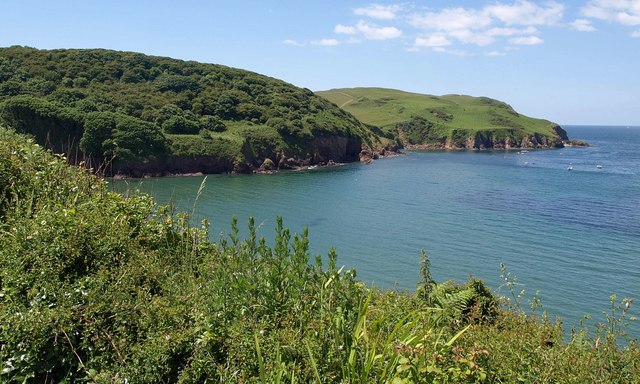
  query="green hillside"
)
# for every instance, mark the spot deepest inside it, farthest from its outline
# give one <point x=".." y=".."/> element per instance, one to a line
<point x="146" y="114"/>
<point x="450" y="120"/>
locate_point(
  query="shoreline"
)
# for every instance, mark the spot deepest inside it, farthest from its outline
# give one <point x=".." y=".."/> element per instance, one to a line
<point x="366" y="157"/>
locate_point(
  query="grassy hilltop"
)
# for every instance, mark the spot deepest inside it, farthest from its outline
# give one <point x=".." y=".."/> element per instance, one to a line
<point x="147" y="114"/>
<point x="450" y="121"/>
<point x="102" y="288"/>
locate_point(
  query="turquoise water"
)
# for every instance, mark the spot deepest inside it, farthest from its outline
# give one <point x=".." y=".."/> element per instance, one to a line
<point x="574" y="236"/>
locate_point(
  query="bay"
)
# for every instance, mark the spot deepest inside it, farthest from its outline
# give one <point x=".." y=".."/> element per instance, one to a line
<point x="573" y="236"/>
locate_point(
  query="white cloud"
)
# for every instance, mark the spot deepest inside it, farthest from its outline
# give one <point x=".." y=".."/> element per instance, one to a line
<point x="450" y="19"/>
<point x="468" y="36"/>
<point x="528" y="40"/>
<point x="636" y="34"/>
<point x="486" y="26"/>
<point x="582" y="25"/>
<point x="345" y="29"/>
<point x="434" y="40"/>
<point x="523" y="12"/>
<point x="625" y="12"/>
<point x="502" y="23"/>
<point x="326" y="42"/>
<point x="511" y="31"/>
<point x="372" y="32"/>
<point x="377" y="11"/>
<point x="294" y="42"/>
<point x="495" y="53"/>
<point x="454" y="52"/>
<point x="489" y="36"/>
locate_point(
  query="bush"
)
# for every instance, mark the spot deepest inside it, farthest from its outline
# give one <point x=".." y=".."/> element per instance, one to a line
<point x="175" y="83"/>
<point x="180" y="125"/>
<point x="135" y="140"/>
<point x="419" y="130"/>
<point x="212" y="123"/>
<point x="49" y="122"/>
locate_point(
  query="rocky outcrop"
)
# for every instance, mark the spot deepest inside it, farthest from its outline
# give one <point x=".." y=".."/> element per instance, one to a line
<point x="496" y="139"/>
<point x="316" y="150"/>
<point x="575" y="143"/>
<point x="262" y="156"/>
<point x="257" y="156"/>
<point x="562" y="134"/>
<point x="179" y="165"/>
<point x="337" y="148"/>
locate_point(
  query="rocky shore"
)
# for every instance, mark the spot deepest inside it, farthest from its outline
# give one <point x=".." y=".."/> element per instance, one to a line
<point x="331" y="151"/>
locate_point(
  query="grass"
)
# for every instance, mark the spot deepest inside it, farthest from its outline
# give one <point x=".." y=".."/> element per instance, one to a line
<point x="387" y="107"/>
<point x="105" y="288"/>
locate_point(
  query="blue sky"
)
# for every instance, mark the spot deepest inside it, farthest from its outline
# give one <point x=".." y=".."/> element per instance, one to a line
<point x="573" y="62"/>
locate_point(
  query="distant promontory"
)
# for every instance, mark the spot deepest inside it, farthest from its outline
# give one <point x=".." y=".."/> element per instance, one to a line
<point x="447" y="122"/>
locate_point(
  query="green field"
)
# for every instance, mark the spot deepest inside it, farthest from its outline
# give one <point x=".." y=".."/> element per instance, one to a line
<point x="386" y="108"/>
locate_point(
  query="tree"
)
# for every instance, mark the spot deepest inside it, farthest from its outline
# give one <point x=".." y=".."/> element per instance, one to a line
<point x="212" y="123"/>
<point x="52" y="124"/>
<point x="98" y="129"/>
<point x="166" y="112"/>
<point x="135" y="140"/>
<point x="180" y="125"/>
<point x="175" y="83"/>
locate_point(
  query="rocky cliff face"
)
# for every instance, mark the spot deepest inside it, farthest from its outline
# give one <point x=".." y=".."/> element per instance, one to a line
<point x="496" y="139"/>
<point x="319" y="150"/>
<point x="256" y="156"/>
<point x="262" y="156"/>
<point x="336" y="148"/>
<point x="178" y="165"/>
<point x="562" y="134"/>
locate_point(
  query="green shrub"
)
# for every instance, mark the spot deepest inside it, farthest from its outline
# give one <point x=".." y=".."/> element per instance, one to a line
<point x="212" y="123"/>
<point x="180" y="125"/>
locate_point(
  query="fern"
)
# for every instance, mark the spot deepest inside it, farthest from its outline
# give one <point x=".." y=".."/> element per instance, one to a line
<point x="471" y="301"/>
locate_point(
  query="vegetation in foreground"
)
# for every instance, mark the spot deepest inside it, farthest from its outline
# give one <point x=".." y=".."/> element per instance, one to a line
<point x="99" y="287"/>
<point x="449" y="121"/>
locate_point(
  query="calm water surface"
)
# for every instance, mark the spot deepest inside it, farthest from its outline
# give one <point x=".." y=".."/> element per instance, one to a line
<point x="572" y="235"/>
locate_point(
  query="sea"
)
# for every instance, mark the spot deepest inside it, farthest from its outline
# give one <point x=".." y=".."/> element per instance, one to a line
<point x="564" y="222"/>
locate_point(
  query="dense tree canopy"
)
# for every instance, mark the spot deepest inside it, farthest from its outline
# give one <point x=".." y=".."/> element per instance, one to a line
<point x="100" y="98"/>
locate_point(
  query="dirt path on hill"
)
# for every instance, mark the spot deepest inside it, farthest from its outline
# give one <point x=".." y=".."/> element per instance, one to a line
<point x="348" y="101"/>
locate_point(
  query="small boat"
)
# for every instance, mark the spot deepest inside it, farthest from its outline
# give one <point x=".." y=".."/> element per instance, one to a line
<point x="599" y="166"/>
<point x="570" y="168"/>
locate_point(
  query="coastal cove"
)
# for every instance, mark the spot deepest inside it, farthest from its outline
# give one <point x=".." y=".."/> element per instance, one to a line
<point x="574" y="236"/>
